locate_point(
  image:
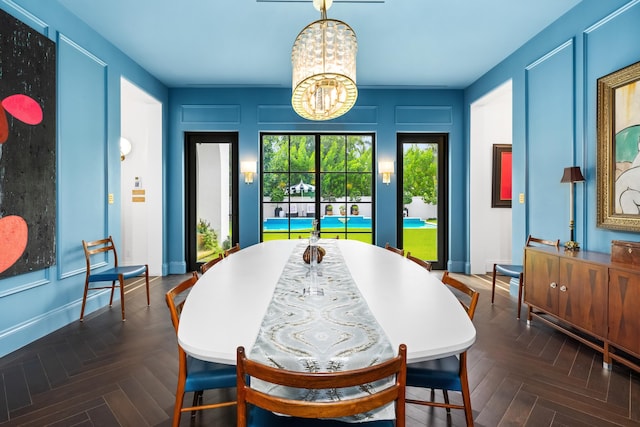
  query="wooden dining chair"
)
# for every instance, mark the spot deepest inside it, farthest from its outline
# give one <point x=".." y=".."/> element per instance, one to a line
<point x="117" y="273"/>
<point x="517" y="270"/>
<point x="233" y="249"/>
<point x="388" y="247"/>
<point x="305" y="413"/>
<point x="422" y="263"/>
<point x="195" y="375"/>
<point x="449" y="373"/>
<point x="207" y="265"/>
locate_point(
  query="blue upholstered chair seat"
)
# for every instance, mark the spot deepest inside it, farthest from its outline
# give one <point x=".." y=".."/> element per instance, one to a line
<point x="259" y="417"/>
<point x="203" y="375"/>
<point x="113" y="273"/>
<point x="509" y="270"/>
<point x="441" y="374"/>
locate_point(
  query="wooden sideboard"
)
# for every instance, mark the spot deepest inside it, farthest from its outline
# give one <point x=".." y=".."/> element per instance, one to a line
<point x="588" y="297"/>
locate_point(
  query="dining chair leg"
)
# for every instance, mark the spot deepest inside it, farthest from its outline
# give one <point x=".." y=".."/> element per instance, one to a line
<point x="468" y="412"/>
<point x="84" y="300"/>
<point x="121" y="280"/>
<point x="197" y="401"/>
<point x="113" y="288"/>
<point x="146" y="278"/>
<point x="466" y="396"/>
<point x="445" y="394"/>
<point x="520" y="286"/>
<point x="493" y="285"/>
<point x="177" y="409"/>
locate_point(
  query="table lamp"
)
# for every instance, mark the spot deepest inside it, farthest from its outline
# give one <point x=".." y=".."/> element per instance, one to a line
<point x="571" y="175"/>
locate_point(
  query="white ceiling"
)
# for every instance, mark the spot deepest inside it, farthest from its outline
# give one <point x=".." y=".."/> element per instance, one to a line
<point x="402" y="43"/>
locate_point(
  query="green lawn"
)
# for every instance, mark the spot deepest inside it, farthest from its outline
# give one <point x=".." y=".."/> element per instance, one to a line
<point x="421" y="242"/>
<point x="207" y="255"/>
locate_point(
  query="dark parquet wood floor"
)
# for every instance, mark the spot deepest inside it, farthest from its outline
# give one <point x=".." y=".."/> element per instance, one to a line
<point x="105" y="372"/>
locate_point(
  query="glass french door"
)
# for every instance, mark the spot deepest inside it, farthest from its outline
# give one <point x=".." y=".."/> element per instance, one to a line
<point x="422" y="200"/>
<point x="323" y="179"/>
<point x="211" y="195"/>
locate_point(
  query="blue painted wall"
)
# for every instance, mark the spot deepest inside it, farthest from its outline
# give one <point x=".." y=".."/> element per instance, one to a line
<point x="88" y="169"/>
<point x="554" y="117"/>
<point x="251" y="111"/>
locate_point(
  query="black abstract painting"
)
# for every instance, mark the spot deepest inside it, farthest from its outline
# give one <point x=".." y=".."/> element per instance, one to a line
<point x="27" y="148"/>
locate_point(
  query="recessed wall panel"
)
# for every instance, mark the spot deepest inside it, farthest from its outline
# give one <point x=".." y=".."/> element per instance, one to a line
<point x="284" y="114"/>
<point x="424" y="115"/>
<point x="550" y="140"/>
<point x="82" y="178"/>
<point x="211" y="114"/>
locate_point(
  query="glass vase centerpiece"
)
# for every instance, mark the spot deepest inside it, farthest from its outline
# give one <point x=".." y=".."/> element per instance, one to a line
<point x="314" y="277"/>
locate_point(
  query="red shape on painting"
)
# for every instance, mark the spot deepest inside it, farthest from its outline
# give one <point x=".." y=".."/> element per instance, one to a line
<point x="4" y="125"/>
<point x="505" y="176"/>
<point x="13" y="240"/>
<point x="23" y="108"/>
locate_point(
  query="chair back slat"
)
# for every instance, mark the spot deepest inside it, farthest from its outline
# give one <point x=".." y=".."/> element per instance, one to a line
<point x="97" y="247"/>
<point x="531" y="239"/>
<point x="233" y="249"/>
<point x="207" y="265"/>
<point x="422" y="263"/>
<point x="395" y="392"/>
<point x="176" y="297"/>
<point x="398" y="251"/>
<point x="471" y="293"/>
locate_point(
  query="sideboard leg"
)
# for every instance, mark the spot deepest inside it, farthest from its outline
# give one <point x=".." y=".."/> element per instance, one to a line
<point x="606" y="357"/>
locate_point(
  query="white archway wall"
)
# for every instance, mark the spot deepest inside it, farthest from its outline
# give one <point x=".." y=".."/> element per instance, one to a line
<point x="490" y="228"/>
<point x="141" y="222"/>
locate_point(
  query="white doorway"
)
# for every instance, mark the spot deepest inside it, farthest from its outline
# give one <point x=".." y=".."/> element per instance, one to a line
<point x="141" y="178"/>
<point x="490" y="228"/>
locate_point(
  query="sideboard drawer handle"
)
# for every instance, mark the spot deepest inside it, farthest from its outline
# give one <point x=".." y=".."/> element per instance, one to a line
<point x="563" y="288"/>
<point x="553" y="285"/>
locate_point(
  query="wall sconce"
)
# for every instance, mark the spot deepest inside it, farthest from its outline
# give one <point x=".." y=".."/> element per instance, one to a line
<point x="125" y="148"/>
<point x="386" y="169"/>
<point x="248" y="169"/>
<point x="571" y="175"/>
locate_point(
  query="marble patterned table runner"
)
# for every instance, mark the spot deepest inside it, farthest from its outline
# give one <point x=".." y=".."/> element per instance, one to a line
<point x="320" y="333"/>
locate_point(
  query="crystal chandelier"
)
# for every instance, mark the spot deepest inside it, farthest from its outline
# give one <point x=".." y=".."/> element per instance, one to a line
<point x="324" y="68"/>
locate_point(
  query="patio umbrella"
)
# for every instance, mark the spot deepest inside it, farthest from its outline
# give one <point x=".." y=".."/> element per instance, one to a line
<point x="301" y="188"/>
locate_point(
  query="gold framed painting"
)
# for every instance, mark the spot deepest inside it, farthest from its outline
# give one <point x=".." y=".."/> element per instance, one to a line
<point x="618" y="157"/>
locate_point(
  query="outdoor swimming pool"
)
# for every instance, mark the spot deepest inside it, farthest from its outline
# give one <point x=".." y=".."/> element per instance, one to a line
<point x="335" y="221"/>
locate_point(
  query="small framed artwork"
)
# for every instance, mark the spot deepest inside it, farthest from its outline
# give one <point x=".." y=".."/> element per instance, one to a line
<point x="501" y="176"/>
<point x="618" y="157"/>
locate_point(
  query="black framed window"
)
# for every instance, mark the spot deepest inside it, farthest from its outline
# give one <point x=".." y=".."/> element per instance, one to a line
<point x="328" y="178"/>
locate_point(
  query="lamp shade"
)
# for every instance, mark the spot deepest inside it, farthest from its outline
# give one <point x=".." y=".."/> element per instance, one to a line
<point x="125" y="146"/>
<point x="248" y="167"/>
<point x="572" y="174"/>
<point x="324" y="70"/>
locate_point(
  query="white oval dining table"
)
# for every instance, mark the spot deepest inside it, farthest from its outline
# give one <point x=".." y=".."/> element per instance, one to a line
<point x="226" y="306"/>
